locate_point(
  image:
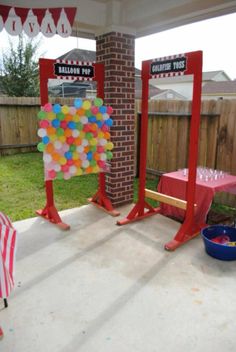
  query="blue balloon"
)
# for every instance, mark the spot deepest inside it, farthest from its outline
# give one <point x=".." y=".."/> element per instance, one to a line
<point x="56" y="108"/>
<point x="92" y="119"/>
<point x="68" y="155"/>
<point x="45" y="140"/>
<point x="99" y="123"/>
<point x="109" y="122"/>
<point x="71" y="125"/>
<point x="89" y="156"/>
<point x="78" y="103"/>
<point x="56" y="123"/>
<point x="103" y="109"/>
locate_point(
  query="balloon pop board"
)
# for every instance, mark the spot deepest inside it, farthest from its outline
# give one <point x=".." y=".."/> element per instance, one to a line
<point x="75" y="140"/>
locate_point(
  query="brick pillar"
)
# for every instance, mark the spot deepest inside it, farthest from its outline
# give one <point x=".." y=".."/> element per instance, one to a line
<point x="116" y="51"/>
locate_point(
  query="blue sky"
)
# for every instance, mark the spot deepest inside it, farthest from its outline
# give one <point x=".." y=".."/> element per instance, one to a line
<point x="215" y="37"/>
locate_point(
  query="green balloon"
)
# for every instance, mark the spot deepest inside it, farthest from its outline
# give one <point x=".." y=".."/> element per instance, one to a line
<point x="41" y="114"/>
<point x="60" y="116"/>
<point x="59" y="131"/>
<point x="98" y="102"/>
<point x="88" y="113"/>
<point x="109" y="155"/>
<point x="79" y="126"/>
<point x="60" y="175"/>
<point x="88" y="135"/>
<point x="93" y="163"/>
<point x="93" y="148"/>
<point x="72" y="148"/>
<point x="41" y="147"/>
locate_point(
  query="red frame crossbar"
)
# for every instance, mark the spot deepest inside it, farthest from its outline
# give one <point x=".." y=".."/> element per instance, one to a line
<point x="100" y="199"/>
<point x="142" y="209"/>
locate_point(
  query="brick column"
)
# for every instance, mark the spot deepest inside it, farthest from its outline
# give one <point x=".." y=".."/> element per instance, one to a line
<point x="116" y="51"/>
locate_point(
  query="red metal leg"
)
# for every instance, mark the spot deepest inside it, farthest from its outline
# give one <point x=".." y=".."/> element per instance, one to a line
<point x="50" y="212"/>
<point x="100" y="199"/>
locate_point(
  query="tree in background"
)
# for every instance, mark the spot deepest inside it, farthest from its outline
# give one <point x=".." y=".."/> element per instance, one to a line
<point x="20" y="70"/>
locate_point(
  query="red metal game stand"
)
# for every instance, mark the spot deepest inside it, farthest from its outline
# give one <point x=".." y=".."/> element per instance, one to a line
<point x="184" y="64"/>
<point x="92" y="71"/>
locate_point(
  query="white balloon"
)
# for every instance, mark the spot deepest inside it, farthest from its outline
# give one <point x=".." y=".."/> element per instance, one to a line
<point x="57" y="145"/>
<point x="85" y="163"/>
<point x="102" y="141"/>
<point x="48" y="27"/>
<point x="72" y="170"/>
<point x="47" y="158"/>
<point x="42" y="132"/>
<point x="63" y="25"/>
<point x="31" y="26"/>
<point x="75" y="133"/>
<point x="13" y="23"/>
<point x="80" y="149"/>
<point x="105" y="116"/>
<point x="84" y="120"/>
<point x="57" y="167"/>
<point x="103" y="156"/>
<point x="85" y="142"/>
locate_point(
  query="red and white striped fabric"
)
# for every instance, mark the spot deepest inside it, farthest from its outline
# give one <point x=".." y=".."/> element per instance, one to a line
<point x="7" y="255"/>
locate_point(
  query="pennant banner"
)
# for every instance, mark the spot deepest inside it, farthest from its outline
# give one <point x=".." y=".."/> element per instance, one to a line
<point x="49" y="21"/>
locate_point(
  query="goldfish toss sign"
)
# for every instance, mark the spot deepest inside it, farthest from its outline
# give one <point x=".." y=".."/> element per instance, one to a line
<point x="48" y="21"/>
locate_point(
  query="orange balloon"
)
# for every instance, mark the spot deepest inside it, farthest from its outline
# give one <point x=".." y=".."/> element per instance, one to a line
<point x="86" y="149"/>
<point x="81" y="112"/>
<point x="68" y="132"/>
<point x="56" y="156"/>
<point x="89" y="170"/>
<point x="49" y="148"/>
<point x="93" y="127"/>
<point x="78" y="163"/>
<point x="68" y="117"/>
<point x="107" y="135"/>
<point x="96" y="156"/>
<point x="50" y="131"/>
<point x="77" y="141"/>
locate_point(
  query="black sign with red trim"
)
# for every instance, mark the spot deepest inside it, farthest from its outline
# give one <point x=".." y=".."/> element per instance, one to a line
<point x="169" y="65"/>
<point x="72" y="70"/>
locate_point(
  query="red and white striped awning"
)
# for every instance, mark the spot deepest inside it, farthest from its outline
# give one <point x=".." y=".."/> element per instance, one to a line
<point x="7" y="255"/>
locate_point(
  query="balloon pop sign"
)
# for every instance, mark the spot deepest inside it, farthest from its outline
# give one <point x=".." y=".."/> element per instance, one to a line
<point x="76" y="139"/>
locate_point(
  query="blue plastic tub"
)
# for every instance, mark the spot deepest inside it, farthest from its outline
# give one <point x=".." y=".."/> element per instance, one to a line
<point x="218" y="250"/>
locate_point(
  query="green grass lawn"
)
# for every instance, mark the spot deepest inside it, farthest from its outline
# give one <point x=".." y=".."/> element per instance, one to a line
<point x="22" y="187"/>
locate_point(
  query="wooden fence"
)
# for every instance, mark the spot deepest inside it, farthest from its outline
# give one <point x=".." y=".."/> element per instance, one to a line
<point x="168" y="133"/>
<point x="168" y="137"/>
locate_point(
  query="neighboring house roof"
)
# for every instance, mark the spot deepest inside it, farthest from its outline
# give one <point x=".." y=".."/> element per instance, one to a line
<point x="168" y="94"/>
<point x="206" y="76"/>
<point x="219" y="88"/>
<point x="79" y="54"/>
<point x="138" y="89"/>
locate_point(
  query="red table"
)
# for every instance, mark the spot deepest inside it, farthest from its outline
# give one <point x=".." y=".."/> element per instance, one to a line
<point x="175" y="185"/>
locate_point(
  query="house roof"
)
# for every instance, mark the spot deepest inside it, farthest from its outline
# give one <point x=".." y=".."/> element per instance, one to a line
<point x="138" y="89"/>
<point x="79" y="54"/>
<point x="221" y="88"/>
<point x="206" y="76"/>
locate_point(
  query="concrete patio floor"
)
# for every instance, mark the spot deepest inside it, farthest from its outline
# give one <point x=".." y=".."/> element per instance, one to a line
<point x="100" y="288"/>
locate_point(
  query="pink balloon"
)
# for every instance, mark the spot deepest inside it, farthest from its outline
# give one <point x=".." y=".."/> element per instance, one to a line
<point x="47" y="107"/>
<point x="109" y="110"/>
<point x="52" y="174"/>
<point x="101" y="163"/>
<point x="70" y="162"/>
<point x="44" y="123"/>
<point x="65" y="168"/>
<point x="105" y="128"/>
<point x="100" y="149"/>
<point x="63" y="124"/>
<point x="94" y="109"/>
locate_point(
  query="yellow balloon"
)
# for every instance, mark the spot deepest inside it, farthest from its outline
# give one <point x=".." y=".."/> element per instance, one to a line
<point x="51" y="115"/>
<point x="62" y="139"/>
<point x="65" y="109"/>
<point x="86" y="105"/>
<point x="62" y="160"/>
<point x="93" y="141"/>
<point x="75" y="156"/>
<point x="53" y="137"/>
<point x="76" y="118"/>
<point x="79" y="172"/>
<point x="109" y="146"/>
<point x="82" y="134"/>
<point x="100" y="134"/>
<point x="96" y="169"/>
<point x="99" y="116"/>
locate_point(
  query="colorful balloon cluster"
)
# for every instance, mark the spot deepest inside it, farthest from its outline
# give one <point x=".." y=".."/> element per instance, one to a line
<point x="76" y="139"/>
